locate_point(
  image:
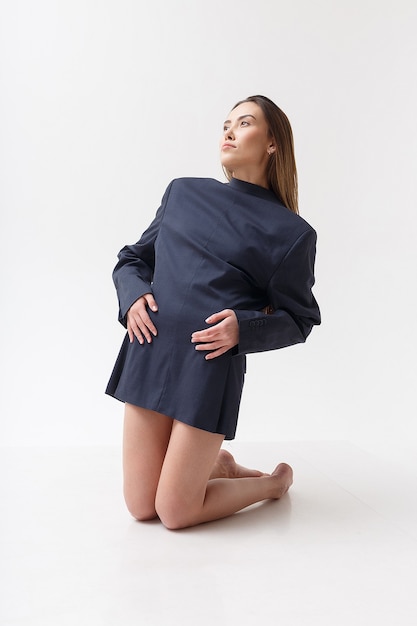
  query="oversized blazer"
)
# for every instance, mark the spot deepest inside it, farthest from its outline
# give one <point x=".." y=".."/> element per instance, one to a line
<point x="210" y="247"/>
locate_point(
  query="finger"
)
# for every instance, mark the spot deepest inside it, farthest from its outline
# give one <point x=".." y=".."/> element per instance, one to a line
<point x="140" y="312"/>
<point x="133" y="331"/>
<point x="151" y="302"/>
<point x="218" y="317"/>
<point x="136" y="325"/>
<point x="141" y="324"/>
<point x="203" y="336"/>
<point x="136" y="331"/>
<point x="147" y="324"/>
<point x="210" y="333"/>
<point x="216" y="353"/>
<point x="208" y="346"/>
<point x="138" y="336"/>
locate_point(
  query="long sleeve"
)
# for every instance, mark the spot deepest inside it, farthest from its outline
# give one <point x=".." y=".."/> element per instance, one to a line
<point x="133" y="273"/>
<point x="289" y="293"/>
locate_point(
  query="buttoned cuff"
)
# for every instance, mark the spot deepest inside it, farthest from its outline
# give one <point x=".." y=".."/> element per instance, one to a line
<point x="252" y="326"/>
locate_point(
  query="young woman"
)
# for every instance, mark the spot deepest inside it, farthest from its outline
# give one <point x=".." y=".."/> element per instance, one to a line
<point x="224" y="269"/>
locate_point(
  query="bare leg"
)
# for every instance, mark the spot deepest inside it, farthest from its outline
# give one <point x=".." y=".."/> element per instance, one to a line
<point x="186" y="496"/>
<point x="145" y="441"/>
<point x="225" y="466"/>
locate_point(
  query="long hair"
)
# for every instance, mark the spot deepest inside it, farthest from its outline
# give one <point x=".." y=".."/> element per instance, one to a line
<point x="281" y="169"/>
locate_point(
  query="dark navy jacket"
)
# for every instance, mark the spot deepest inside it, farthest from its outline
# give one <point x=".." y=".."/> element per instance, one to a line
<point x="212" y="246"/>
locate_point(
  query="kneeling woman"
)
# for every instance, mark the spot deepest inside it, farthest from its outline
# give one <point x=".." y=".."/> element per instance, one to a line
<point x="225" y="269"/>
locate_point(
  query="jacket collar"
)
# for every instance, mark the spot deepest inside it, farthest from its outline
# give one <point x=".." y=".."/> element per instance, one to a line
<point x="253" y="190"/>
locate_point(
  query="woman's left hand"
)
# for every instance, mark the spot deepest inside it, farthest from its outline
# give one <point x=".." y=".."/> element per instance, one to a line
<point x="220" y="337"/>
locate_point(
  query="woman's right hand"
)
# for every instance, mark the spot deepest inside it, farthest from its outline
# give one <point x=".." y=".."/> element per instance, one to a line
<point x="139" y="324"/>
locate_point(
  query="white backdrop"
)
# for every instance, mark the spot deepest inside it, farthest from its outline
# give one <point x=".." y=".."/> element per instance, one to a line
<point x="103" y="103"/>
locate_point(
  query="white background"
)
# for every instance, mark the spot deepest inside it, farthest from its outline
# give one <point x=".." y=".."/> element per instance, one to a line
<point x="103" y="103"/>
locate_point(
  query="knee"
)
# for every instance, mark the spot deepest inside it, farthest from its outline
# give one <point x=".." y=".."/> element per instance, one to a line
<point x="141" y="510"/>
<point x="141" y="515"/>
<point x="172" y="511"/>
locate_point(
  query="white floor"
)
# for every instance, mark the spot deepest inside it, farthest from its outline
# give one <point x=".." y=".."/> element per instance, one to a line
<point x="339" y="550"/>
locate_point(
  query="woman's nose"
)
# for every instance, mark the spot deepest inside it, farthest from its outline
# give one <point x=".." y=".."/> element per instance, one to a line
<point x="228" y="133"/>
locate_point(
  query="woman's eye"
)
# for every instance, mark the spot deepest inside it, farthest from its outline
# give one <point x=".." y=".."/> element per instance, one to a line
<point x="244" y="122"/>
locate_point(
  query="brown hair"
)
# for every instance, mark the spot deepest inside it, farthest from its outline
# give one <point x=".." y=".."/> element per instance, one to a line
<point x="281" y="169"/>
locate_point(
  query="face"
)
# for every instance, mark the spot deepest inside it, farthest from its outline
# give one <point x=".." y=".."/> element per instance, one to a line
<point x="246" y="144"/>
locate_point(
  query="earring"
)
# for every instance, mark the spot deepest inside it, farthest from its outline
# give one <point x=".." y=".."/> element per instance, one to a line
<point x="270" y="151"/>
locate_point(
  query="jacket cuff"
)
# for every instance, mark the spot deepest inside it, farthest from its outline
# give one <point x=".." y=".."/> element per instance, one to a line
<point x="252" y="327"/>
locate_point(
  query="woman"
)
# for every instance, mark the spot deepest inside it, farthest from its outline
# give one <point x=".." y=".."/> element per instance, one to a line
<point x="223" y="270"/>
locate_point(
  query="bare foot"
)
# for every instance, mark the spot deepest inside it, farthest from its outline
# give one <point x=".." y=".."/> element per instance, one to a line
<point x="283" y="480"/>
<point x="226" y="467"/>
